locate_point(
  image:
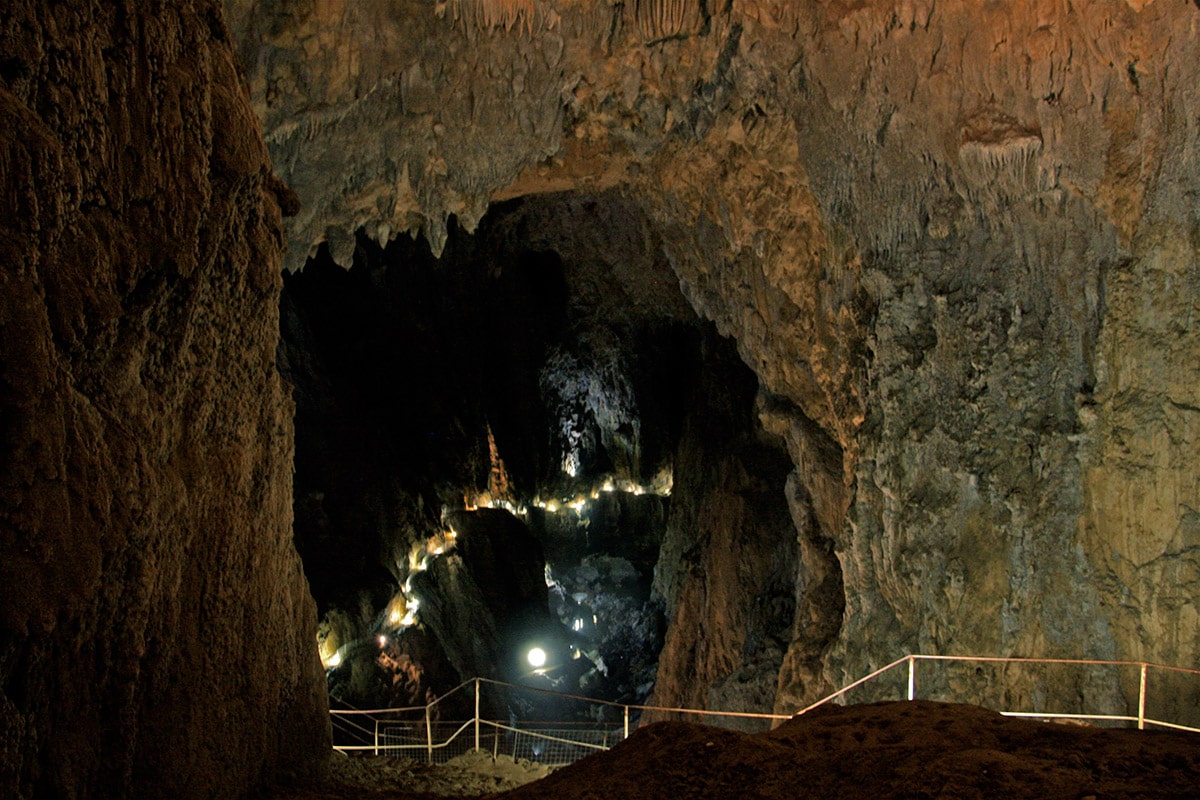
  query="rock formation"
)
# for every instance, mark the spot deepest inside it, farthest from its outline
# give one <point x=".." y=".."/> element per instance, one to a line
<point x="956" y="244"/>
<point x="540" y="365"/>
<point x="156" y="631"/>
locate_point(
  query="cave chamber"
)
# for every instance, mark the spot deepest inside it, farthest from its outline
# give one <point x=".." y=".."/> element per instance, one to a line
<point x="528" y="442"/>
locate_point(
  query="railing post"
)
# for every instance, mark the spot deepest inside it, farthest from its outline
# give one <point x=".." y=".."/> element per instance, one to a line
<point x="376" y="735"/>
<point x="428" y="734"/>
<point x="477" y="713"/>
<point x="626" y="722"/>
<point x="912" y="677"/>
<point x="1142" y="699"/>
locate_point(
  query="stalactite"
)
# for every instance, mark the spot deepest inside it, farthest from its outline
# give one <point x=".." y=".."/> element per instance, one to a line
<point x="1006" y="170"/>
<point x="526" y="16"/>
<point x="662" y="19"/>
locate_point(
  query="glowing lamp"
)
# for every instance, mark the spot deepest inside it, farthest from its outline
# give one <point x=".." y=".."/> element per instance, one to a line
<point x="536" y="657"/>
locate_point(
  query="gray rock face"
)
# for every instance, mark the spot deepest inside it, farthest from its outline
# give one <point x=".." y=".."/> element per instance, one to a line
<point x="156" y="632"/>
<point x="957" y="245"/>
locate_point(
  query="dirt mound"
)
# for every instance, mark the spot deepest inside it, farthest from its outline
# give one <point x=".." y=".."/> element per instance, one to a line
<point x="884" y="750"/>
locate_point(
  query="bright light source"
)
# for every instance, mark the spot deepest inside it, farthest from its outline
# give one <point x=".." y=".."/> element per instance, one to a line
<point x="552" y="507"/>
<point x="382" y="641"/>
<point x="536" y="657"/>
<point x="333" y="661"/>
<point x="577" y="625"/>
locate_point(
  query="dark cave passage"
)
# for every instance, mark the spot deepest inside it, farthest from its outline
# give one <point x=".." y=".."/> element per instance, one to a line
<point x="486" y="446"/>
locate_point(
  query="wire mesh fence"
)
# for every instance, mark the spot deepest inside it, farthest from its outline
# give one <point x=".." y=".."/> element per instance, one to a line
<point x="552" y="744"/>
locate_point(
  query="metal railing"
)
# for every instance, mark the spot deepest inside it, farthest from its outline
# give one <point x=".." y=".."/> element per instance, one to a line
<point x="1144" y="672"/>
<point x="418" y="730"/>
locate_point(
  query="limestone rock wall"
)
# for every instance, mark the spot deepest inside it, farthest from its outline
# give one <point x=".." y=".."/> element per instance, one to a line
<point x="956" y="243"/>
<point x="728" y="564"/>
<point x="156" y="633"/>
<point x="1012" y="174"/>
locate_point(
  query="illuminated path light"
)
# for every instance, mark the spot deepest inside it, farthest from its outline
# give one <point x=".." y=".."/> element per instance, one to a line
<point x="536" y="657"/>
<point x="402" y="611"/>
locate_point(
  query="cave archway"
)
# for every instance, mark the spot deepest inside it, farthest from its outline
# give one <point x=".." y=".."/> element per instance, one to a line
<point x="487" y="455"/>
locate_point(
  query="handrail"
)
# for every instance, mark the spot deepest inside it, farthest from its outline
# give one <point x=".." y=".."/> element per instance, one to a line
<point x="385" y="716"/>
<point x="635" y="707"/>
<point x="352" y="711"/>
<point x="1143" y="667"/>
<point x="351" y="728"/>
<point x="854" y="685"/>
<point x="502" y="727"/>
<point x="379" y="716"/>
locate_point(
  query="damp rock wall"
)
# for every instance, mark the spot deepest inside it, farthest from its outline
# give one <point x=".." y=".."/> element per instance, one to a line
<point x="956" y="244"/>
<point x="156" y="631"/>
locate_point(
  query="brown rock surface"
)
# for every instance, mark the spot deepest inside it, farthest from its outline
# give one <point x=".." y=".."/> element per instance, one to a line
<point x="155" y="626"/>
<point x="957" y="245"/>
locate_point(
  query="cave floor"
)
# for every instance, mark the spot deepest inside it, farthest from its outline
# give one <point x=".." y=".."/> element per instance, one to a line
<point x="882" y="750"/>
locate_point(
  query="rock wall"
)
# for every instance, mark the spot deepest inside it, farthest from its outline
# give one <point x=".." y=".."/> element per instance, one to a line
<point x="156" y="632"/>
<point x="727" y="568"/>
<point x="956" y="243"/>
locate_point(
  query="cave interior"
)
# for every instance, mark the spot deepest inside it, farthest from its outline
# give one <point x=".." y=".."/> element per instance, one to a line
<point x="486" y="450"/>
<point x="724" y="352"/>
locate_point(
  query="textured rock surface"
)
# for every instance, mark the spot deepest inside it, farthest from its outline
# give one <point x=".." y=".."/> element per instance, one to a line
<point x="155" y="626"/>
<point x="727" y="570"/>
<point x="957" y="244"/>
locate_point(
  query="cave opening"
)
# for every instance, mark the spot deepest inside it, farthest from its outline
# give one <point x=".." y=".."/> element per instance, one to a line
<point x="487" y="459"/>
